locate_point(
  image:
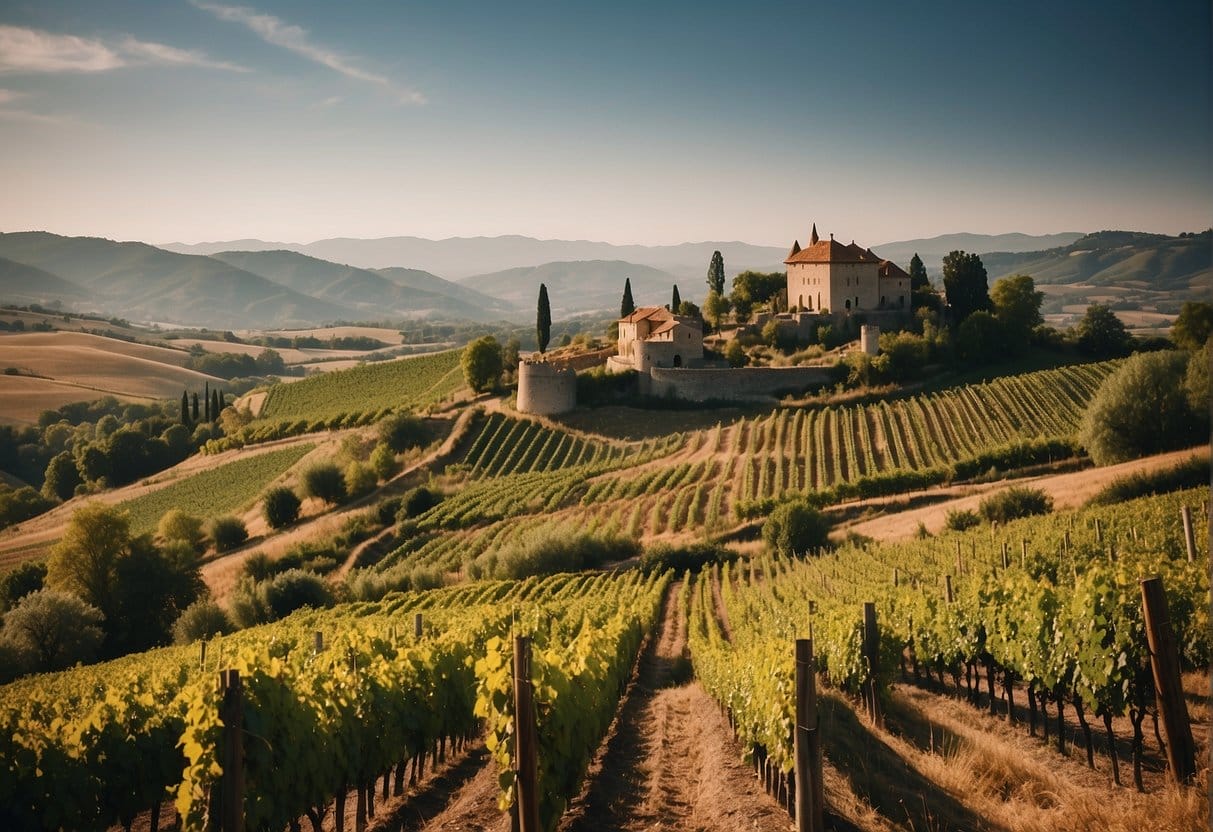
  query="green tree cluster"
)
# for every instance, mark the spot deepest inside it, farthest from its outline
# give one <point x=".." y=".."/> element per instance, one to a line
<point x="482" y="362"/>
<point x="965" y="285"/>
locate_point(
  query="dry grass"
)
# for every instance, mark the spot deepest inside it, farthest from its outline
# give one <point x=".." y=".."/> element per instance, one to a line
<point x="33" y="342"/>
<point x="22" y="398"/>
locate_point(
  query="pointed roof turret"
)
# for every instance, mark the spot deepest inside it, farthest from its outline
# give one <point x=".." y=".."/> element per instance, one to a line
<point x="813" y="238"/>
<point x="795" y="249"/>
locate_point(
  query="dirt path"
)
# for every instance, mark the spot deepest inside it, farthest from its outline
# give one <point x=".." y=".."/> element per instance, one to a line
<point x="670" y="762"/>
<point x="1067" y="490"/>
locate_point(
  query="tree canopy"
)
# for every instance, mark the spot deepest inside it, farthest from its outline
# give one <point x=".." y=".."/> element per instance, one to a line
<point x="1017" y="308"/>
<point x="965" y="284"/>
<point x="1193" y="326"/>
<point x="1142" y="408"/>
<point x="796" y="528"/>
<point x="918" y="274"/>
<point x="675" y="300"/>
<point x="1100" y="334"/>
<point x="482" y="362"/>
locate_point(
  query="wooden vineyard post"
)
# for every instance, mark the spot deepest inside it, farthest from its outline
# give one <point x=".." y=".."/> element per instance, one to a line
<point x="202" y="655"/>
<point x="318" y="641"/>
<point x="1189" y="537"/>
<point x="871" y="652"/>
<point x="1164" y="660"/>
<point x="810" y="793"/>
<point x="417" y="625"/>
<point x="947" y="588"/>
<point x="227" y="813"/>
<point x="526" y="760"/>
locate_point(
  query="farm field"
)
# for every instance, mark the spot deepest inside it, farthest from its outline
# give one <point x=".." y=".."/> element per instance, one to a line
<point x="409" y="382"/>
<point x="77" y="366"/>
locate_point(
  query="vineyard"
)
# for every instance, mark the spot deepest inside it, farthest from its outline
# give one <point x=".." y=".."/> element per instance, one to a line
<point x="1049" y="606"/>
<point x="369" y="388"/>
<point x="216" y="491"/>
<point x="524" y="476"/>
<point x="334" y="699"/>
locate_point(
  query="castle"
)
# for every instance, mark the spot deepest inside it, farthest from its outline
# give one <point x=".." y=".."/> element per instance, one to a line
<point x="828" y="276"/>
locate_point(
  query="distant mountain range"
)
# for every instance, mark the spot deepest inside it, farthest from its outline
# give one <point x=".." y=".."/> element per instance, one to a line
<point x="583" y="285"/>
<point x="459" y="257"/>
<point x="254" y="284"/>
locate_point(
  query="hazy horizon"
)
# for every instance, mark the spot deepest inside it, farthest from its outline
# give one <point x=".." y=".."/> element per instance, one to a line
<point x="196" y="121"/>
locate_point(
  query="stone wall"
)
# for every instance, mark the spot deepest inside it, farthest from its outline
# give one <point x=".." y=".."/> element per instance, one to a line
<point x="869" y="339"/>
<point x="740" y="383"/>
<point x="545" y="390"/>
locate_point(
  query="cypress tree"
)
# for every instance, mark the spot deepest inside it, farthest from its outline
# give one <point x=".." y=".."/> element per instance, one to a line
<point x="918" y="274"/>
<point x="627" y="306"/>
<point x="195" y="407"/>
<point x="675" y="301"/>
<point x="185" y="408"/>
<point x="716" y="274"/>
<point x="543" y="320"/>
<point x="215" y="405"/>
<point x="206" y="400"/>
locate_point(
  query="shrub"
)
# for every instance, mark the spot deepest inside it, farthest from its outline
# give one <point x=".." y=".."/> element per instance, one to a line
<point x="324" y="481"/>
<point x="689" y="558"/>
<point x="21" y="504"/>
<point x="258" y="566"/>
<point x="1014" y="503"/>
<point x="1141" y="409"/>
<point x="177" y="526"/>
<point x="418" y="502"/>
<point x="1191" y="473"/>
<point x="360" y="480"/>
<point x="295" y="589"/>
<point x="21" y="581"/>
<point x="383" y="461"/>
<point x="280" y="507"/>
<point x="545" y="552"/>
<point x="796" y="528"/>
<point x="51" y="630"/>
<point x="200" y="620"/>
<point x="402" y="431"/>
<point x="961" y="519"/>
<point x="734" y="353"/>
<point x="228" y="533"/>
<point x="386" y="510"/>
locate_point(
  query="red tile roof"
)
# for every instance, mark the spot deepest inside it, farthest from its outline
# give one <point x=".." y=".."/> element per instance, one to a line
<point x="890" y="270"/>
<point x="832" y="251"/>
<point x="654" y="313"/>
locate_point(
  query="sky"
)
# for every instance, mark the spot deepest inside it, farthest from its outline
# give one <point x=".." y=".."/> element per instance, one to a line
<point x="648" y="122"/>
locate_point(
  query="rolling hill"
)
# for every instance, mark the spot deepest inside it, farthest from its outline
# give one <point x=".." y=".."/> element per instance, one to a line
<point x="581" y="286"/>
<point x="140" y="281"/>
<point x="932" y="250"/>
<point x="24" y="284"/>
<point x="1128" y="269"/>
<point x="373" y="295"/>
<point x="419" y="279"/>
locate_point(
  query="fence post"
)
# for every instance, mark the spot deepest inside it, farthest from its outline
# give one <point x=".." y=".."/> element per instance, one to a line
<point x="231" y="783"/>
<point x="1164" y="659"/>
<point x="871" y="651"/>
<point x="525" y="741"/>
<point x="1189" y="537"/>
<point x="810" y="814"/>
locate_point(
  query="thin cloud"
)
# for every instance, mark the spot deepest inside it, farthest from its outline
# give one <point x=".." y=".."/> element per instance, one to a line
<point x="288" y="36"/>
<point x="25" y="50"/>
<point x="159" y="53"/>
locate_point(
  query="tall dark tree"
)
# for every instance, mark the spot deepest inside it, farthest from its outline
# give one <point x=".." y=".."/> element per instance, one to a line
<point x="185" y="408"/>
<point x="918" y="274"/>
<point x="195" y="395"/>
<point x="675" y="301"/>
<point x="543" y="320"/>
<point x="215" y="406"/>
<point x="966" y="286"/>
<point x="206" y="400"/>
<point x="627" y="306"/>
<point x="716" y="274"/>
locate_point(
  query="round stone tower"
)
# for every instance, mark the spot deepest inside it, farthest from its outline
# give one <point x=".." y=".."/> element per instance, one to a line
<point x="545" y="390"/>
<point x="869" y="339"/>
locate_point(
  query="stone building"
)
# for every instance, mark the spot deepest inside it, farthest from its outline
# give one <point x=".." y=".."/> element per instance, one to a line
<point x="828" y="276"/>
<point x="653" y="336"/>
<point x="544" y="389"/>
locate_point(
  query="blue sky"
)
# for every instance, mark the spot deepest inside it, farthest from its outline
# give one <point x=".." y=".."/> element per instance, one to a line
<point x="618" y="121"/>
